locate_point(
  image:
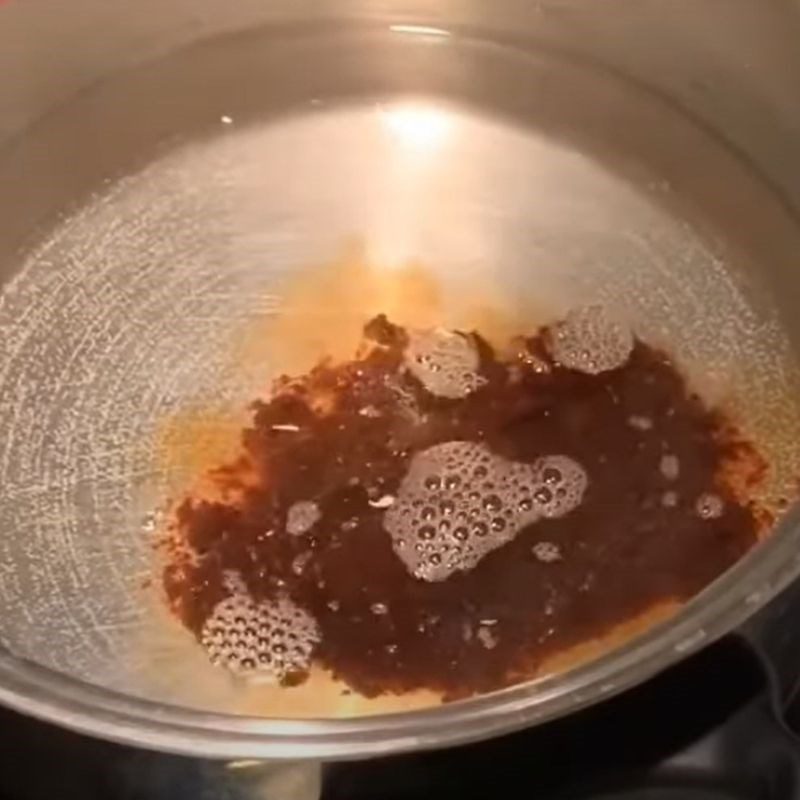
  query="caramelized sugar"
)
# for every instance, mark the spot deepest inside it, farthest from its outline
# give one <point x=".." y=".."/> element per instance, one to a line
<point x="343" y="438"/>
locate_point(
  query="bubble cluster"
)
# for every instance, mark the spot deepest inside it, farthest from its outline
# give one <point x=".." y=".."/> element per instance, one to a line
<point x="590" y="340"/>
<point x="445" y="363"/>
<point x="459" y="501"/>
<point x="266" y="641"/>
<point x="302" y="517"/>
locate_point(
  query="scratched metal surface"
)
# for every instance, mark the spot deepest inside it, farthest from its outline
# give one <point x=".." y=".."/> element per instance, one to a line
<point x="185" y="227"/>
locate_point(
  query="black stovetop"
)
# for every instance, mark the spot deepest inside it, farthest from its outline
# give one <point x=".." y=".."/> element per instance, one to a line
<point x="713" y="727"/>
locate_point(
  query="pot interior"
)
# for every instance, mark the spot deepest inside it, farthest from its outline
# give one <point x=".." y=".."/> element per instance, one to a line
<point x="163" y="223"/>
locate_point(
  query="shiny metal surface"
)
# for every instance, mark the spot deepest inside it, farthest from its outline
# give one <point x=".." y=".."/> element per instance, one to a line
<point x="554" y="151"/>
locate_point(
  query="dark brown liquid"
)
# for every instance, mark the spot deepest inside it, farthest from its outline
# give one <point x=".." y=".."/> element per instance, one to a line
<point x="637" y="538"/>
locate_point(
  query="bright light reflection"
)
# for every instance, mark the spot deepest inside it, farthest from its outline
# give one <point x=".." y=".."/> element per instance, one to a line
<point x="421" y="128"/>
<point x="419" y="30"/>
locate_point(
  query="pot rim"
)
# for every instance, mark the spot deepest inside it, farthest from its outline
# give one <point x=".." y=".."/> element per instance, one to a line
<point x="66" y="701"/>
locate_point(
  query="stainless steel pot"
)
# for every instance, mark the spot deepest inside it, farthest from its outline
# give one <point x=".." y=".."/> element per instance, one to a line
<point x="163" y="160"/>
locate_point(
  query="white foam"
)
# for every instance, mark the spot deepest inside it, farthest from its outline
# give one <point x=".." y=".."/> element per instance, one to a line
<point x="589" y="339"/>
<point x="459" y="502"/>
<point x="264" y="641"/>
<point x="444" y="362"/>
<point x="302" y="517"/>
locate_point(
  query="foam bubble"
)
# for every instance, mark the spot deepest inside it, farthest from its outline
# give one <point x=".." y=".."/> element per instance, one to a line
<point x="640" y="423"/>
<point x="459" y="501"/>
<point x="670" y="467"/>
<point x="669" y="499"/>
<point x="302" y="517"/>
<point x="445" y="363"/>
<point x="266" y="641"/>
<point x="710" y="506"/>
<point x="548" y="552"/>
<point x="487" y="638"/>
<point x="590" y="340"/>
